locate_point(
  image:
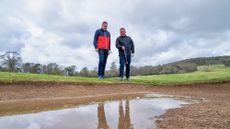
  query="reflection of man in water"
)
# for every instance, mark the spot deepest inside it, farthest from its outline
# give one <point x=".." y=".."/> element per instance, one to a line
<point x="124" y="117"/>
<point x="102" y="123"/>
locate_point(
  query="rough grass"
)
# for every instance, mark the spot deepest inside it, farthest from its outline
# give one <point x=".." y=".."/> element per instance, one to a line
<point x="217" y="73"/>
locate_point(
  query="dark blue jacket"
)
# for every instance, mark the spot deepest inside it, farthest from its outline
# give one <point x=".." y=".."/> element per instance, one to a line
<point x="127" y="42"/>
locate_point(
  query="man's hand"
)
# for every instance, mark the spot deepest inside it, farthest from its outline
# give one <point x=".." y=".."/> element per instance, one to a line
<point x="110" y="52"/>
<point x="123" y="48"/>
<point x="96" y="49"/>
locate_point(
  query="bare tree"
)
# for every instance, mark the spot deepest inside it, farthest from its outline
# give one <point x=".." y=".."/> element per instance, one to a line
<point x="11" y="60"/>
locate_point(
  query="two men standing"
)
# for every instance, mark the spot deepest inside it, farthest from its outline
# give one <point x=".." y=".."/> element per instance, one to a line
<point x="124" y="44"/>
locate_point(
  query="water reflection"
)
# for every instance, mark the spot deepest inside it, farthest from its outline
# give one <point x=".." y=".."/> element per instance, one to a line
<point x="123" y="114"/>
<point x="124" y="117"/>
<point x="124" y="121"/>
<point x="102" y="122"/>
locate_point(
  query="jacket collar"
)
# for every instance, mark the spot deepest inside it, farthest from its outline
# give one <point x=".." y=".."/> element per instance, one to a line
<point x="103" y="30"/>
<point x="123" y="36"/>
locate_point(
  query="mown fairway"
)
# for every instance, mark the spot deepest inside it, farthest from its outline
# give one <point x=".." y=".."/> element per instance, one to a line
<point x="216" y="73"/>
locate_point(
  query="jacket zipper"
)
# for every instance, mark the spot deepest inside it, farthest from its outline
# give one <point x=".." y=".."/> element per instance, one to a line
<point x="106" y="42"/>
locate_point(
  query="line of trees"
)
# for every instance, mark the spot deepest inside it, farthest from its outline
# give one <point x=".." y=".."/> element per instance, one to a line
<point x="164" y="69"/>
<point x="12" y="62"/>
<point x="207" y="60"/>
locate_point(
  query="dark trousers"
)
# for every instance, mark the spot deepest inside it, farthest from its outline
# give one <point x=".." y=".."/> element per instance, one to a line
<point x="103" y="55"/>
<point x="123" y="65"/>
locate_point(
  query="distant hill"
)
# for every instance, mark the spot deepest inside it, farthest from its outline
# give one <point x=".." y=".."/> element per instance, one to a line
<point x="204" y="60"/>
<point x="183" y="66"/>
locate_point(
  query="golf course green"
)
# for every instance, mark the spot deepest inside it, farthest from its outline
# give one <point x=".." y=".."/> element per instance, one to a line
<point x="215" y="73"/>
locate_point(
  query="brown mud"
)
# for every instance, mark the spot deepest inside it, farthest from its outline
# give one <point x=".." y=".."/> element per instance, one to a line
<point x="214" y="113"/>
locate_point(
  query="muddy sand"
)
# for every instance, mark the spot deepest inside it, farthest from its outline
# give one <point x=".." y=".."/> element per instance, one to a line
<point x="213" y="113"/>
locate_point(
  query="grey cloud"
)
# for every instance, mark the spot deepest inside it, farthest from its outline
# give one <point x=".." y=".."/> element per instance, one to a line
<point x="175" y="29"/>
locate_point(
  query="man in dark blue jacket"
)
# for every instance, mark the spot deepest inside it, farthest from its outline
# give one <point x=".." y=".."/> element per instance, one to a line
<point x="125" y="46"/>
<point x="101" y="43"/>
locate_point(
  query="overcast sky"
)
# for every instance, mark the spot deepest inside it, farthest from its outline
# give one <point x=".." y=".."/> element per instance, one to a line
<point x="62" y="31"/>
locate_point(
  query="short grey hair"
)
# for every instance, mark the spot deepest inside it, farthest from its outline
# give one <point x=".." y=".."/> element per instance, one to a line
<point x="122" y="28"/>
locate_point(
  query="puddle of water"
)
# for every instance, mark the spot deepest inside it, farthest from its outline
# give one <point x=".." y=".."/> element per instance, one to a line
<point x="124" y="114"/>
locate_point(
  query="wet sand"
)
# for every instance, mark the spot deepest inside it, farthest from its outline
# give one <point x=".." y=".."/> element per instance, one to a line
<point x="214" y="113"/>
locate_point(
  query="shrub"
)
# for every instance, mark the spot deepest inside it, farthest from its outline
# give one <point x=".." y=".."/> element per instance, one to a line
<point x="204" y="69"/>
<point x="227" y="62"/>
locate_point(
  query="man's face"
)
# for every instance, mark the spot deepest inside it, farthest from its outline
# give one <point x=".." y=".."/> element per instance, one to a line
<point x="122" y="32"/>
<point x="104" y="26"/>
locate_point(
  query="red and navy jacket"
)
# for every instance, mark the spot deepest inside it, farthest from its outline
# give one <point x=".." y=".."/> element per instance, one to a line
<point x="102" y="39"/>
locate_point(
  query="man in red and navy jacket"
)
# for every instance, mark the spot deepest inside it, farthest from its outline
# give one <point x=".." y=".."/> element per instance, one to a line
<point x="102" y="45"/>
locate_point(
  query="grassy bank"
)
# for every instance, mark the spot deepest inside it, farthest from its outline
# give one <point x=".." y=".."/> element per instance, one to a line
<point x="215" y="73"/>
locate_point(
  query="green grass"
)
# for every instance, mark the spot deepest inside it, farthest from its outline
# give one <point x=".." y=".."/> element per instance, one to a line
<point x="217" y="73"/>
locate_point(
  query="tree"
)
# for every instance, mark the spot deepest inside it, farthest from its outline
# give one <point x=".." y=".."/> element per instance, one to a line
<point x="32" y="68"/>
<point x="113" y="66"/>
<point x="44" y="68"/>
<point x="133" y="70"/>
<point x="93" y="73"/>
<point x="27" y="67"/>
<point x="113" y="70"/>
<point x="38" y="68"/>
<point x="227" y="62"/>
<point x="84" y="72"/>
<point x="70" y="70"/>
<point x="53" y="68"/>
<point x="11" y="60"/>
